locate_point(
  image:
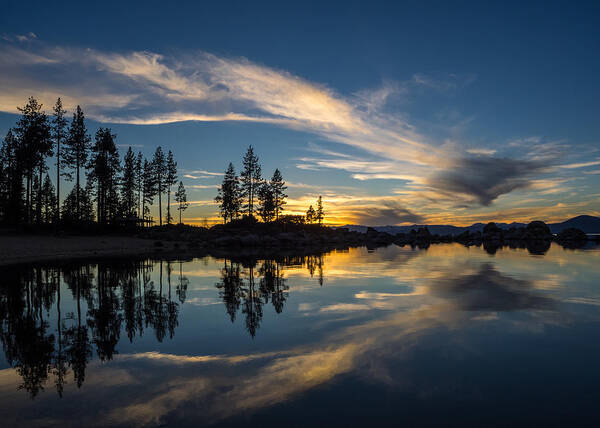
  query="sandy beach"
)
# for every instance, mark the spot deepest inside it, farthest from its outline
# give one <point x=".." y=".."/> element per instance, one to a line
<point x="30" y="248"/>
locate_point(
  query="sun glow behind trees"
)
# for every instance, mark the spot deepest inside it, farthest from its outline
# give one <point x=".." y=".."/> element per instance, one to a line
<point x="236" y="195"/>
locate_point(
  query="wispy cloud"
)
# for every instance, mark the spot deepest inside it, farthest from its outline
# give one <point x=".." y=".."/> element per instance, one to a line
<point x="149" y="88"/>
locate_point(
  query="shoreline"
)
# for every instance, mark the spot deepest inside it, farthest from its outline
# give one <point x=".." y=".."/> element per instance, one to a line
<point x="37" y="248"/>
<point x="19" y="249"/>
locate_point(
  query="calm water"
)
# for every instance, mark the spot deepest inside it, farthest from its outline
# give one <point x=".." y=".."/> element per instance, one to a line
<point x="396" y="336"/>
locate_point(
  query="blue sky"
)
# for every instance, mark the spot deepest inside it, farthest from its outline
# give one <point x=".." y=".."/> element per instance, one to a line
<point x="396" y="113"/>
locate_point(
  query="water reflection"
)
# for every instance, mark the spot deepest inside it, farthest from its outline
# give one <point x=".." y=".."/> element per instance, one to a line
<point x="112" y="297"/>
<point x="211" y="340"/>
<point x="109" y="297"/>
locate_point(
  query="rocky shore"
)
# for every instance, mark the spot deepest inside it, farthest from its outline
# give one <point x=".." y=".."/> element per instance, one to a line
<point x="265" y="240"/>
<point x="536" y="237"/>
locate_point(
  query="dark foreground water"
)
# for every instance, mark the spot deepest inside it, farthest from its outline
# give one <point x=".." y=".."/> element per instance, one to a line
<point x="397" y="336"/>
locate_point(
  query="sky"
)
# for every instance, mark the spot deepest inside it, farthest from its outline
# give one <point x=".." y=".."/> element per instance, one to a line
<point x="395" y="112"/>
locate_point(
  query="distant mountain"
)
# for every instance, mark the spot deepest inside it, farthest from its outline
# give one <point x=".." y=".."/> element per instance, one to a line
<point x="587" y="223"/>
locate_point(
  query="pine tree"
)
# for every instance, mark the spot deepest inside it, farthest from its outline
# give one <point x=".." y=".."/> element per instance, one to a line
<point x="171" y="180"/>
<point x="250" y="179"/>
<point x="310" y="215"/>
<point x="128" y="184"/>
<point x="77" y="147"/>
<point x="86" y="207"/>
<point x="266" y="199"/>
<point x="49" y="204"/>
<point x="59" y="135"/>
<point x="36" y="194"/>
<point x="104" y="167"/>
<point x="148" y="188"/>
<point x="11" y="180"/>
<point x="278" y="188"/>
<point x="181" y="199"/>
<point x="319" y="213"/>
<point x="229" y="199"/>
<point x="33" y="135"/>
<point x="139" y="186"/>
<point x="159" y="167"/>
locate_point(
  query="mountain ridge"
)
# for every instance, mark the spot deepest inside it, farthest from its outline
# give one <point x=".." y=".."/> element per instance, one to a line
<point x="587" y="223"/>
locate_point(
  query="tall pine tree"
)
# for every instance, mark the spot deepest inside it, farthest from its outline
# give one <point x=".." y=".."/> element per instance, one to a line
<point x="104" y="169"/>
<point x="59" y="136"/>
<point x="159" y="166"/>
<point x="148" y="189"/>
<point x="128" y="184"/>
<point x="319" y="214"/>
<point x="278" y="189"/>
<point x="229" y="198"/>
<point x="77" y="147"/>
<point x="139" y="185"/>
<point x="33" y="134"/>
<point x="171" y="180"/>
<point x="181" y="199"/>
<point x="251" y="179"/>
<point x="266" y="202"/>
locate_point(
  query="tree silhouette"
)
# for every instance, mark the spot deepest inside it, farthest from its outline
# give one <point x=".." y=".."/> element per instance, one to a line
<point x="159" y="167"/>
<point x="11" y="180"/>
<point x="139" y="182"/>
<point x="278" y="188"/>
<point x="251" y="179"/>
<point x="229" y="195"/>
<point x="129" y="184"/>
<point x="34" y="144"/>
<point x="104" y="169"/>
<point x="59" y="135"/>
<point x="320" y="215"/>
<point x="48" y="201"/>
<point x="310" y="215"/>
<point x="170" y="181"/>
<point x="148" y="189"/>
<point x="266" y="202"/>
<point x="76" y="152"/>
<point x="181" y="199"/>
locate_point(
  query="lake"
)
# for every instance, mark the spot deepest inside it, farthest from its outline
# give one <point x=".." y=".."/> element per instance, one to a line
<point x="446" y="335"/>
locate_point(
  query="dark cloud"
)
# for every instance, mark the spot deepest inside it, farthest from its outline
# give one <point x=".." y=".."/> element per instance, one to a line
<point x="490" y="290"/>
<point x="390" y="214"/>
<point x="485" y="177"/>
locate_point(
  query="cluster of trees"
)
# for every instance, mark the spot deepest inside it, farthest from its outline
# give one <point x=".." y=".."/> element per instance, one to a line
<point x="121" y="191"/>
<point x="315" y="216"/>
<point x="249" y="194"/>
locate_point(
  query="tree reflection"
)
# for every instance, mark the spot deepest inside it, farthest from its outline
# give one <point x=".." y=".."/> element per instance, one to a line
<point x="250" y="284"/>
<point x="107" y="298"/>
<point x="48" y="339"/>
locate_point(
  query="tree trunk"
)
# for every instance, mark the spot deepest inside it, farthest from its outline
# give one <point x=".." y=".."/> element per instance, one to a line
<point x="77" y="216"/>
<point x="39" y="197"/>
<point x="159" y="207"/>
<point x="27" y="191"/>
<point x="169" y="206"/>
<point x="57" y="180"/>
